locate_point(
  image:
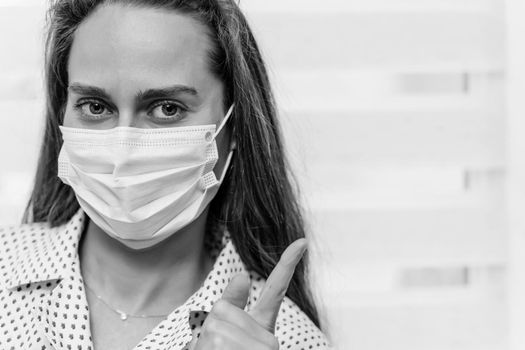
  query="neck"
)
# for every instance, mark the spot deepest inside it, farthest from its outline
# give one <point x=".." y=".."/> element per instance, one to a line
<point x="155" y="280"/>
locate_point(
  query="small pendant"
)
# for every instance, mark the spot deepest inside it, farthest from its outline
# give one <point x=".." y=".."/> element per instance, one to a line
<point x="123" y="315"/>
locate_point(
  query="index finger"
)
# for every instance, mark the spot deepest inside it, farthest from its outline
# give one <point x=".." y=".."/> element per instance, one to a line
<point x="266" y="310"/>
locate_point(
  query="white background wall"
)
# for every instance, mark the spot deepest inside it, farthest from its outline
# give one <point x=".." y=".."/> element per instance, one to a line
<point x="394" y="114"/>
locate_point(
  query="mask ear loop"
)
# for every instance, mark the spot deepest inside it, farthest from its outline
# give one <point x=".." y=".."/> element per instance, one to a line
<point x="232" y="147"/>
<point x="226" y="165"/>
<point x="224" y="121"/>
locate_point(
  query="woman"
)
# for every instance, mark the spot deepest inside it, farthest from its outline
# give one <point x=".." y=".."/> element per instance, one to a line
<point x="162" y="204"/>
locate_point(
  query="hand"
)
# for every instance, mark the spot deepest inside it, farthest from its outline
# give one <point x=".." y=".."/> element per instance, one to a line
<point x="229" y="327"/>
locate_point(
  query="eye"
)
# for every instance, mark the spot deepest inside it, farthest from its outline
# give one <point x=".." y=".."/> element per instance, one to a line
<point x="96" y="108"/>
<point x="166" y="112"/>
<point x="92" y="109"/>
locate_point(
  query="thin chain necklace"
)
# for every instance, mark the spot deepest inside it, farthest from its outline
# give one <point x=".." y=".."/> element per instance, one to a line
<point x="123" y="315"/>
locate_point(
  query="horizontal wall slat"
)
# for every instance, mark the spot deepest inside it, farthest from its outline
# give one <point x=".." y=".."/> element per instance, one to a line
<point x="414" y="236"/>
<point x="363" y="41"/>
<point x="328" y="90"/>
<point x="470" y="139"/>
<point x="335" y="6"/>
<point x="340" y="187"/>
<point x="452" y="327"/>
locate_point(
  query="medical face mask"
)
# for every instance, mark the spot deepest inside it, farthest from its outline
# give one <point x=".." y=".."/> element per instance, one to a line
<point x="142" y="185"/>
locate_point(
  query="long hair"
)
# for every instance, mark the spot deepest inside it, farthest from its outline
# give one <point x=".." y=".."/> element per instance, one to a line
<point x="258" y="200"/>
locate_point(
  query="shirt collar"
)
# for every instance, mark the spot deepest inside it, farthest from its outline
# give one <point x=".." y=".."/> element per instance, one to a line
<point x="48" y="254"/>
<point x="42" y="253"/>
<point x="227" y="264"/>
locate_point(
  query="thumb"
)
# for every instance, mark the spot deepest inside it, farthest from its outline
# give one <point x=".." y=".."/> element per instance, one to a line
<point x="237" y="291"/>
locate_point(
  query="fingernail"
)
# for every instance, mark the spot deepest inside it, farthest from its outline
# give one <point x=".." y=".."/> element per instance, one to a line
<point x="302" y="248"/>
<point x="295" y="251"/>
<point x="304" y="244"/>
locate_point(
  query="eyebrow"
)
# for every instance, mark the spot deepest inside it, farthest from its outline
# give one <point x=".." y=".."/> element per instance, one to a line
<point x="141" y="95"/>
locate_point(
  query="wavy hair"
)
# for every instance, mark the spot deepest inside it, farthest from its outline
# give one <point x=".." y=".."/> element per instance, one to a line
<point x="258" y="200"/>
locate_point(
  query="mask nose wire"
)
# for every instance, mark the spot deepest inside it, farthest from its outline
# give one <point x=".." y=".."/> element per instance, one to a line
<point x="224" y="121"/>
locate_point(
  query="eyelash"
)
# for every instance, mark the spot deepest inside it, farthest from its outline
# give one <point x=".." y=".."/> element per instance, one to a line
<point x="177" y="116"/>
<point x="78" y="107"/>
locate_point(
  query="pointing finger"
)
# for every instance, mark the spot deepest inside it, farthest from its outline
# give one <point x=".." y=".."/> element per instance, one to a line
<point x="237" y="291"/>
<point x="272" y="295"/>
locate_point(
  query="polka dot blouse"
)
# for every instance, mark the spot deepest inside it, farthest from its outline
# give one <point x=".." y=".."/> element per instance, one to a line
<point x="43" y="303"/>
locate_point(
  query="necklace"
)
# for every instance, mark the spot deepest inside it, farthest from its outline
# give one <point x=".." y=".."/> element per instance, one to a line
<point x="123" y="315"/>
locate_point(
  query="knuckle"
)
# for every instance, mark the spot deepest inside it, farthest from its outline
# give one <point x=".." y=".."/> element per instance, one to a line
<point x="220" y="307"/>
<point x="279" y="291"/>
<point x="212" y="325"/>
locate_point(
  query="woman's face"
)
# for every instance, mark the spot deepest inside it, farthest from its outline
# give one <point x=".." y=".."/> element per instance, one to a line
<point x="144" y="68"/>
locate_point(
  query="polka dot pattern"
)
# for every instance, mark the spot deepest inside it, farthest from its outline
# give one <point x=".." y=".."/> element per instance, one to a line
<point x="43" y="304"/>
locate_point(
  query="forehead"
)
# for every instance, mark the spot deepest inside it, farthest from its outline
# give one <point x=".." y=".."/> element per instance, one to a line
<point x="126" y="45"/>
